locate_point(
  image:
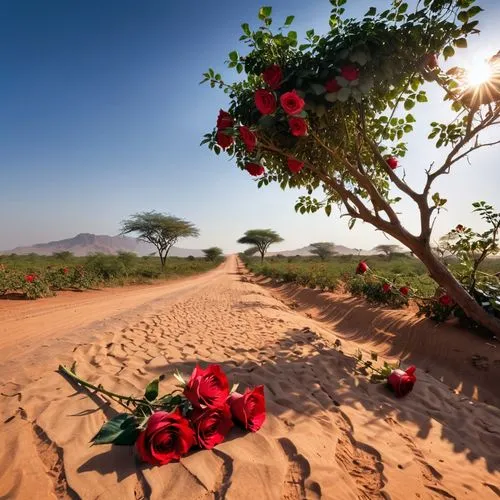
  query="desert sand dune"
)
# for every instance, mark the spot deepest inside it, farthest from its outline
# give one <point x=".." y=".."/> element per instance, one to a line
<point x="329" y="432"/>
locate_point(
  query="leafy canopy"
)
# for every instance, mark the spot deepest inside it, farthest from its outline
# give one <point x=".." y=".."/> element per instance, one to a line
<point x="260" y="239"/>
<point x="323" y="249"/>
<point x="213" y="253"/>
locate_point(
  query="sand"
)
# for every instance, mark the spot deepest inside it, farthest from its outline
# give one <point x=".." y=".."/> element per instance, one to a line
<point x="329" y="433"/>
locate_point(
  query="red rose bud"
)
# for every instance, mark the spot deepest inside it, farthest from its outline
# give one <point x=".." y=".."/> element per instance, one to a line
<point x="292" y="103"/>
<point x="254" y="169"/>
<point x="211" y="425"/>
<point x="445" y="300"/>
<point x="29" y="278"/>
<point x="224" y="120"/>
<point x="362" y="267"/>
<point x="294" y="165"/>
<point x="298" y="126"/>
<point x="265" y="101"/>
<point x="223" y="140"/>
<point x="402" y="382"/>
<point x="248" y="138"/>
<point x="404" y="290"/>
<point x="392" y="162"/>
<point x="332" y="86"/>
<point x="167" y="437"/>
<point x="273" y="76"/>
<point x="207" y="388"/>
<point x="386" y="288"/>
<point x="459" y="228"/>
<point x="349" y="72"/>
<point x="249" y="409"/>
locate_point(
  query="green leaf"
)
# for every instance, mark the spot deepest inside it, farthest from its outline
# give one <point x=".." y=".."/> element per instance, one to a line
<point x="246" y="29"/>
<point x="233" y="56"/>
<point x="265" y="12"/>
<point x="448" y="51"/>
<point x="409" y="103"/>
<point x="461" y="43"/>
<point x="343" y="94"/>
<point x="121" y="430"/>
<point x="421" y="97"/>
<point x="328" y="210"/>
<point x="289" y="20"/>
<point x="371" y="12"/>
<point x="151" y="392"/>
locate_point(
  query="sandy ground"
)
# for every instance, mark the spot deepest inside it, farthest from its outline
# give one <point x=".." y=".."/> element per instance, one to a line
<point x="329" y="433"/>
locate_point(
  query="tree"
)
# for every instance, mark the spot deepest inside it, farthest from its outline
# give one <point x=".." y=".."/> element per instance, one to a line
<point x="323" y="249"/>
<point x="332" y="113"/>
<point x="260" y="239"/>
<point x="250" y="251"/>
<point x="388" y="250"/>
<point x="213" y="253"/>
<point x="159" y="229"/>
<point x="65" y="255"/>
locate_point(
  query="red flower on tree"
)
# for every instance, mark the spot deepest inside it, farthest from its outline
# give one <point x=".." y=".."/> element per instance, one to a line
<point x="254" y="169"/>
<point x="224" y="120"/>
<point x="265" y="101"/>
<point x="459" y="228"/>
<point x="292" y="103"/>
<point x="224" y="140"/>
<point x="273" y="76"/>
<point x="392" y="161"/>
<point x="446" y="300"/>
<point x="294" y="165"/>
<point x="298" y="126"/>
<point x="29" y="278"/>
<point x="349" y="72"/>
<point x="404" y="290"/>
<point x="332" y="86"/>
<point x="362" y="267"/>
<point x="248" y="138"/>
<point x="249" y="409"/>
<point x="386" y="287"/>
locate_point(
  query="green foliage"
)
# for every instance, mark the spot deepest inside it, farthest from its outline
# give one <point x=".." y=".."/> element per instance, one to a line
<point x="121" y="430"/>
<point x="260" y="239"/>
<point x="213" y="253"/>
<point x="323" y="249"/>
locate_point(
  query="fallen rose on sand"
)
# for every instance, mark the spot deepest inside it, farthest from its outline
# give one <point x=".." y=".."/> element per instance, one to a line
<point x="165" y="428"/>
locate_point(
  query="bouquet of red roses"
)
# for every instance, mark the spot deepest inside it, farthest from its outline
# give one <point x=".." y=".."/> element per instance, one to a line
<point x="165" y="428"/>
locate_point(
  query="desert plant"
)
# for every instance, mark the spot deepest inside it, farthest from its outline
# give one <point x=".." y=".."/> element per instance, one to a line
<point x="260" y="239"/>
<point x="161" y="230"/>
<point x="332" y="113"/>
<point x="213" y="253"/>
<point x="323" y="249"/>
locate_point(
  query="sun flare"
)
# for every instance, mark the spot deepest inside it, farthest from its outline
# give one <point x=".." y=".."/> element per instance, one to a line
<point x="479" y="73"/>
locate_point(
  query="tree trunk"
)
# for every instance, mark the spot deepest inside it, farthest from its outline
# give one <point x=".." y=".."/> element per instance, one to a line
<point x="262" y="257"/>
<point x="443" y="277"/>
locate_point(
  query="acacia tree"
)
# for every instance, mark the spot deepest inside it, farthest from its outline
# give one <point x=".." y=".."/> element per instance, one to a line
<point x="213" y="253"/>
<point x="323" y="249"/>
<point x="261" y="239"/>
<point x="330" y="116"/>
<point x="161" y="230"/>
<point x="388" y="250"/>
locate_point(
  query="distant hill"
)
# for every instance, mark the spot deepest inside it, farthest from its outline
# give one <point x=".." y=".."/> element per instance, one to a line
<point x="341" y="249"/>
<point x="85" y="243"/>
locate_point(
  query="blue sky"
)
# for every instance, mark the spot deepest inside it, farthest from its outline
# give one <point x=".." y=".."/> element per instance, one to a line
<point x="101" y="116"/>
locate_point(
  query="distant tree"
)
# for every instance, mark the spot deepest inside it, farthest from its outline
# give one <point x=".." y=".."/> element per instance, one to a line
<point x="261" y="239"/>
<point x="213" y="253"/>
<point x="323" y="249"/>
<point x="388" y="250"/>
<point x="64" y="256"/>
<point x="159" y="229"/>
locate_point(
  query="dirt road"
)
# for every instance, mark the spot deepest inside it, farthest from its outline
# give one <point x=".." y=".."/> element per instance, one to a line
<point x="329" y="432"/>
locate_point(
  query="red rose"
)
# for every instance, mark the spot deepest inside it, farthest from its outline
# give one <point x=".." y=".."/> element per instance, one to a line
<point x="265" y="101"/>
<point x="29" y="278"/>
<point x="392" y="162"/>
<point x="167" y="437"/>
<point x="362" y="267"/>
<point x="349" y="72"/>
<point x="386" y="288"/>
<point x="211" y="425"/>
<point x="298" y="126"/>
<point x="254" y="169"/>
<point x="332" y="85"/>
<point x="273" y="76"/>
<point x="207" y="388"/>
<point x="292" y="103"/>
<point x="445" y="300"/>
<point x="223" y="140"/>
<point x="248" y="138"/>
<point x="459" y="228"/>
<point x="249" y="409"/>
<point x="65" y="270"/>
<point x="224" y="120"/>
<point x="402" y="382"/>
<point x="294" y="165"/>
<point x="404" y="290"/>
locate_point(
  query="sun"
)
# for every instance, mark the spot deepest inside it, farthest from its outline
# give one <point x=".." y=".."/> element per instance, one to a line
<point x="478" y="73"/>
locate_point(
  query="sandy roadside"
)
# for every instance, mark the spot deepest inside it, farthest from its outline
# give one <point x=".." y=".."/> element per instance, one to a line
<point x="329" y="434"/>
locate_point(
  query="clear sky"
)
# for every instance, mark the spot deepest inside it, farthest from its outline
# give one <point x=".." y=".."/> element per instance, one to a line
<point x="101" y="116"/>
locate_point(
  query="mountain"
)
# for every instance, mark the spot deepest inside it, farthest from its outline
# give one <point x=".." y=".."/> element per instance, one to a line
<point x="86" y="243"/>
<point x="340" y="249"/>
